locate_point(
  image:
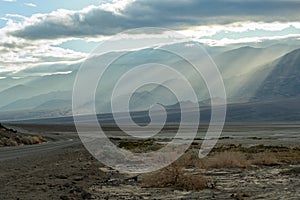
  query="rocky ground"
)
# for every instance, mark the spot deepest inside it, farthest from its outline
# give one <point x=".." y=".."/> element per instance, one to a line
<point x="72" y="173"/>
<point x="245" y="168"/>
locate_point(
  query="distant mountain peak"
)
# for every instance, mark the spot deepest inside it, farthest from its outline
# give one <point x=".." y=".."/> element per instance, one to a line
<point x="284" y="79"/>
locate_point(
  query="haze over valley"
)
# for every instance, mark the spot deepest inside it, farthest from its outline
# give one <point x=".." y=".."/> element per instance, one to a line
<point x="252" y="76"/>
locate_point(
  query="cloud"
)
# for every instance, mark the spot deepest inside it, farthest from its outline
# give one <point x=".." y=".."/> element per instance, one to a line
<point x="109" y="19"/>
<point x="9" y="0"/>
<point x="27" y="42"/>
<point x="243" y="32"/>
<point x="19" y="54"/>
<point x="30" y="4"/>
<point x="249" y="40"/>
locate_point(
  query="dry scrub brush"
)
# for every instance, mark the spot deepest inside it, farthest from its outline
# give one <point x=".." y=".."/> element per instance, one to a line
<point x="228" y="159"/>
<point x="187" y="173"/>
<point x="176" y="176"/>
<point x="264" y="158"/>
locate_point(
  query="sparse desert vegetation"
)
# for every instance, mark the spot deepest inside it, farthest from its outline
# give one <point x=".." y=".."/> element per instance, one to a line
<point x="181" y="175"/>
<point x="189" y="172"/>
<point x="227" y="159"/>
<point x="10" y="137"/>
<point x="257" y="170"/>
<point x="138" y="145"/>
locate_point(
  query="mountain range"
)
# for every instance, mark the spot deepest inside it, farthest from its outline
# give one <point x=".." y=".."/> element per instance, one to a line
<point x="252" y="76"/>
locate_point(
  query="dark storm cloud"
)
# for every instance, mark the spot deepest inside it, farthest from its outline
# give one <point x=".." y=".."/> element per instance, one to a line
<point x="163" y="13"/>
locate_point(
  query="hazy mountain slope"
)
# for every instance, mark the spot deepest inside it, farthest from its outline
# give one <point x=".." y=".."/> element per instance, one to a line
<point x="17" y="92"/>
<point x="34" y="114"/>
<point x="276" y="79"/>
<point x="6" y="83"/>
<point x="36" y="101"/>
<point x="242" y="88"/>
<point x="144" y="100"/>
<point x="55" y="104"/>
<point x="249" y="74"/>
<point x="238" y="66"/>
<point x="15" y="80"/>
<point x="245" y="59"/>
<point x="34" y="86"/>
<point x="53" y="83"/>
<point x="284" y="79"/>
<point x="284" y="111"/>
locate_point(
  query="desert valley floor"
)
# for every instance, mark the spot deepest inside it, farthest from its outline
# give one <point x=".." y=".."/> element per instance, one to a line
<point x="249" y="162"/>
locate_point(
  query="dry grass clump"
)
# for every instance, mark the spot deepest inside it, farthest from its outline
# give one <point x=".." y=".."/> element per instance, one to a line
<point x="21" y="140"/>
<point x="7" y="142"/>
<point x="228" y="159"/>
<point x="187" y="172"/>
<point x="140" y="146"/>
<point x="193" y="182"/>
<point x="191" y="160"/>
<point x="29" y="140"/>
<point x="290" y="157"/>
<point x="10" y="137"/>
<point x="174" y="176"/>
<point x="178" y="176"/>
<point x="265" y="158"/>
<point x="254" y="155"/>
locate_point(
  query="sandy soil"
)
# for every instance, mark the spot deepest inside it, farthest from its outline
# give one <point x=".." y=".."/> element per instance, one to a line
<point x="72" y="173"/>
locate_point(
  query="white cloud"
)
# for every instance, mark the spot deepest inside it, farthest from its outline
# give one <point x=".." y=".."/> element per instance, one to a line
<point x="111" y="18"/>
<point x="30" y="4"/>
<point x="30" y="41"/>
<point x="238" y="27"/>
<point x="54" y="73"/>
<point x="18" y="54"/>
<point x="9" y="0"/>
<point x="247" y="40"/>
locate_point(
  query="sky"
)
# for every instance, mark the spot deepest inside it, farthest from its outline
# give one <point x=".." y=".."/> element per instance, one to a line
<point x="44" y="33"/>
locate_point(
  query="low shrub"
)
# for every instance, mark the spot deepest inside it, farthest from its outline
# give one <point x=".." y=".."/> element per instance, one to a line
<point x="228" y="159"/>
